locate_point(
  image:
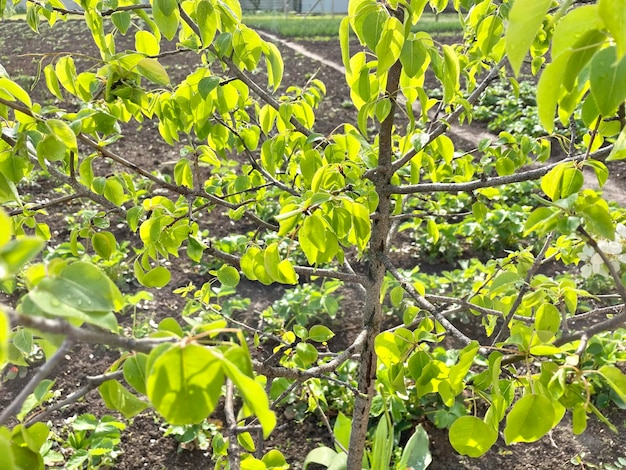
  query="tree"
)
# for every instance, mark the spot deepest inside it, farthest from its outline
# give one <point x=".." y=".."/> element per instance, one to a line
<point x="322" y="206"/>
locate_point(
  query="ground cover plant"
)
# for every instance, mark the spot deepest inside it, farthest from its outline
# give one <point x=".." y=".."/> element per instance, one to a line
<point x="254" y="192"/>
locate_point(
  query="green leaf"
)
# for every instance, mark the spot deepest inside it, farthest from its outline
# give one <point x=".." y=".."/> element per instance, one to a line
<point x="275" y="65"/>
<point x="52" y="81"/>
<point x="166" y="17"/>
<point x="116" y="397"/>
<point x="11" y="91"/>
<point x="157" y="277"/>
<point x="619" y="147"/>
<point x="51" y="148"/>
<point x="613" y="13"/>
<point x="253" y="395"/>
<point x="382" y="447"/>
<point x="135" y="372"/>
<point x="326" y="457"/>
<point x="274" y="459"/>
<point x="416" y="454"/>
<point x="504" y="282"/>
<point x="390" y="45"/>
<point x="598" y="221"/>
<point x="471" y="436"/>
<point x="552" y="181"/>
<point x="525" y="19"/>
<point x="579" y="418"/>
<point x="306" y="354"/>
<point x="344" y="42"/>
<point x="341" y="430"/>
<point x="184" y="383"/>
<point x="541" y="220"/>
<point x="153" y="71"/>
<point x="529" y="419"/>
<point x="228" y="276"/>
<point x="16" y="253"/>
<point x="606" y="79"/>
<point x="206" y="20"/>
<point x="104" y="244"/>
<point x="7" y="460"/>
<point x="548" y="318"/>
<point x="121" y="20"/>
<point x="84" y="286"/>
<point x="616" y="380"/>
<point x="578" y="22"/>
<point x="247" y="46"/>
<point x="320" y="333"/>
<point x="286" y="273"/>
<point x="147" y="43"/>
<point x="414" y="57"/>
<point x="114" y="191"/>
<point x="5" y="329"/>
<point x="451" y="73"/>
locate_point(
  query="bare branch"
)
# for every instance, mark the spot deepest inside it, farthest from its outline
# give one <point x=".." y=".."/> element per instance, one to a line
<point x="45" y="205"/>
<point x="525" y="286"/>
<point x="528" y="175"/>
<point x="93" y="382"/>
<point x="423" y="303"/>
<point x="443" y="126"/>
<point x="83" y="335"/>
<point x="317" y="371"/>
<point x="43" y="372"/>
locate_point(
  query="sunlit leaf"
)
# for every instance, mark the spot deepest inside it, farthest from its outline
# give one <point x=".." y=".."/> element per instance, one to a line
<point x="529" y="419"/>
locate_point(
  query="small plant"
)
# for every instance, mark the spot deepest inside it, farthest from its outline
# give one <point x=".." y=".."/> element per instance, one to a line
<point x="91" y="443"/>
<point x="193" y="436"/>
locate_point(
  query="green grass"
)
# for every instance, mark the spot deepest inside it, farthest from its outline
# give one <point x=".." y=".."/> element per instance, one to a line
<point x="327" y="26"/>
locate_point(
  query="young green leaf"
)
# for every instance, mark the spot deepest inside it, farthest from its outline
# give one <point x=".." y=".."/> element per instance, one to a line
<point x="471" y="436"/>
<point x="184" y="383"/>
<point x="525" y="19"/>
<point x="529" y="419"/>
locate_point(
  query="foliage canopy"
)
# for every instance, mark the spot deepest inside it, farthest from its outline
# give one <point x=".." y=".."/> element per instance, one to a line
<point x="321" y="207"/>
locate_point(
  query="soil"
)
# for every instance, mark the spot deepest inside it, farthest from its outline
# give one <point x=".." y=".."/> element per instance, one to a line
<point x="144" y="446"/>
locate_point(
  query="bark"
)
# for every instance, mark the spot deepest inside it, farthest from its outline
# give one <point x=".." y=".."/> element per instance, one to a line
<point x="372" y="318"/>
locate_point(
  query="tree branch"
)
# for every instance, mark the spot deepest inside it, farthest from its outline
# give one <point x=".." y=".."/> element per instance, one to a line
<point x="317" y="371"/>
<point x="527" y="175"/>
<point x="83" y="335"/>
<point x="443" y="126"/>
<point x="93" y="382"/>
<point x="302" y="270"/>
<point x="43" y="372"/>
<point x="423" y="303"/>
<point x="525" y="286"/>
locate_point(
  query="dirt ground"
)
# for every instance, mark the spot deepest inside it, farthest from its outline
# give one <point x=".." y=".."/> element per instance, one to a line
<point x="143" y="445"/>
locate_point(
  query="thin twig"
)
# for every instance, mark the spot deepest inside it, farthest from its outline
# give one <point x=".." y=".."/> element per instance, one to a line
<point x="302" y="270"/>
<point x="527" y="175"/>
<point x="317" y="371"/>
<point x="325" y="420"/>
<point x="93" y="382"/>
<point x="82" y="335"/>
<point x="443" y="126"/>
<point x="42" y="373"/>
<point x="522" y="292"/>
<point x="423" y="303"/>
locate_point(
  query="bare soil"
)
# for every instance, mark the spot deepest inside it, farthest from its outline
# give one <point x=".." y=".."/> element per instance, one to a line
<point x="143" y="445"/>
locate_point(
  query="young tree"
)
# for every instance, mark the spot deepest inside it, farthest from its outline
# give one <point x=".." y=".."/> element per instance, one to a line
<point x="323" y="206"/>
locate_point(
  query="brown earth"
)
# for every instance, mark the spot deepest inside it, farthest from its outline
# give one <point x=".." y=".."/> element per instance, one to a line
<point x="144" y="445"/>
